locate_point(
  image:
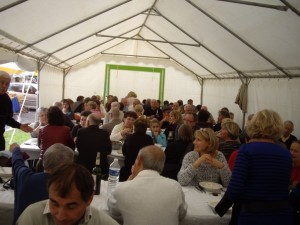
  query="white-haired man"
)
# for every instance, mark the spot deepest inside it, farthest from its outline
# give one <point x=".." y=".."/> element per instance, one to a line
<point x="6" y="113"/>
<point x="147" y="193"/>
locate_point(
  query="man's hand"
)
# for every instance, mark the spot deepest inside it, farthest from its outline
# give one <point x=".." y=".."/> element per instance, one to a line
<point x="26" y="128"/>
<point x="13" y="146"/>
<point x="134" y="172"/>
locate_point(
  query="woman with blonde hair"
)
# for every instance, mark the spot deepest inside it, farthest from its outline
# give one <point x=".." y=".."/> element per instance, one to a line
<point x="261" y="175"/>
<point x="205" y="163"/>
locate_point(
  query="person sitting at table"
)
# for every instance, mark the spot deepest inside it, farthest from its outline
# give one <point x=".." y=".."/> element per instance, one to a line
<point x="261" y="175"/>
<point x="222" y="114"/>
<point x="295" y="151"/>
<point x="91" y="140"/>
<point x="176" y="150"/>
<point x="122" y="130"/>
<point x="203" y="118"/>
<point x="92" y="106"/>
<point x="78" y="106"/>
<point x="113" y="105"/>
<point x="156" y="134"/>
<point x="165" y="122"/>
<point x="133" y="144"/>
<point x="67" y="120"/>
<point x="6" y="113"/>
<point x="114" y="119"/>
<point x="71" y="191"/>
<point x="205" y="163"/>
<point x="54" y="132"/>
<point x="295" y="181"/>
<point x="82" y="124"/>
<point x="147" y="197"/>
<point x="153" y="111"/>
<point x="175" y="121"/>
<point x="30" y="187"/>
<point x="287" y="138"/>
<point x="139" y="109"/>
<point x="229" y="134"/>
<point x="66" y="108"/>
<point x="42" y="121"/>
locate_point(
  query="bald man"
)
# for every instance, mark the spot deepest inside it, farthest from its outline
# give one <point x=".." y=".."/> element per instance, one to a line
<point x="152" y="193"/>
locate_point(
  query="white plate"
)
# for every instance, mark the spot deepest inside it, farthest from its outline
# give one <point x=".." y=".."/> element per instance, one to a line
<point x="210" y="186"/>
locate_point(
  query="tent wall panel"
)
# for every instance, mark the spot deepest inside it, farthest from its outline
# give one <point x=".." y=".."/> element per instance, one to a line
<point x="50" y="86"/>
<point x="281" y="95"/>
<point x="88" y="79"/>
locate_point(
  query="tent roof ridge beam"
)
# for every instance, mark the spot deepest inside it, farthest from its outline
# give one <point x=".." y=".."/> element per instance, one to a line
<point x="95" y="46"/>
<point x="12" y="5"/>
<point x="201" y="44"/>
<point x="291" y="7"/>
<point x="151" y="40"/>
<point x="153" y="12"/>
<point x="175" y="60"/>
<point x="277" y="7"/>
<point x="185" y="54"/>
<point x="148" y="14"/>
<point x="238" y="37"/>
<point x="137" y="56"/>
<point x="72" y="25"/>
<point x="90" y="35"/>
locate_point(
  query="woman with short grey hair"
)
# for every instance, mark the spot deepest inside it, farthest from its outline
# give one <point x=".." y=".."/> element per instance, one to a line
<point x="40" y="121"/>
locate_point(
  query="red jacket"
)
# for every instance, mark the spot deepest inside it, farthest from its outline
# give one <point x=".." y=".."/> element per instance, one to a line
<point x="51" y="134"/>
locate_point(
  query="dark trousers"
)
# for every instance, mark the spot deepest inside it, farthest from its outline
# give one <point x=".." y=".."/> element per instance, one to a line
<point x="2" y="143"/>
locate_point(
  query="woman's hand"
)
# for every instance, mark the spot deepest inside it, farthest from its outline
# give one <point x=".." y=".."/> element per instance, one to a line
<point x="126" y="131"/>
<point x="214" y="162"/>
<point x="200" y="160"/>
<point x="208" y="159"/>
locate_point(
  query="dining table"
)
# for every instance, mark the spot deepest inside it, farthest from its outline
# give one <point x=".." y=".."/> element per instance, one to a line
<point x="30" y="147"/>
<point x="200" y="210"/>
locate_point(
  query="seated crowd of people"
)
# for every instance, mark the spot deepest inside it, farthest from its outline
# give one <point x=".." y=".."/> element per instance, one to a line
<point x="173" y="145"/>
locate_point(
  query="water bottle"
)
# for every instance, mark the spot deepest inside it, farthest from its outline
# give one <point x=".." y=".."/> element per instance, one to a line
<point x="113" y="178"/>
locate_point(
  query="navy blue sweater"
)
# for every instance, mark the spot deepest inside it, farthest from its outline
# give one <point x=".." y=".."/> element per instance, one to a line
<point x="261" y="174"/>
<point x="30" y="187"/>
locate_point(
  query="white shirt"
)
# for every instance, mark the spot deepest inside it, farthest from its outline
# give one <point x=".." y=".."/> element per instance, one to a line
<point x="148" y="199"/>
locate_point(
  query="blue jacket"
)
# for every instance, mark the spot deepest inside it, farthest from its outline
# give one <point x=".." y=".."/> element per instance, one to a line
<point x="30" y="187"/>
<point x="161" y="138"/>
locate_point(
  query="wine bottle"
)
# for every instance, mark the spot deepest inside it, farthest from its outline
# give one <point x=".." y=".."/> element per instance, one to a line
<point x="97" y="174"/>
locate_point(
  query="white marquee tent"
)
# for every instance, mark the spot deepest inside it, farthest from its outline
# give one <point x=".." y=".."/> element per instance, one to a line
<point x="167" y="49"/>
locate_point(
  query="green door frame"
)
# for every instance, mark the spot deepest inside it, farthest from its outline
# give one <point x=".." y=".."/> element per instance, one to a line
<point x="110" y="67"/>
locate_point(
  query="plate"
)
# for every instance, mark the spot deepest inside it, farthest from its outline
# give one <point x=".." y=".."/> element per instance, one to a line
<point x="210" y="186"/>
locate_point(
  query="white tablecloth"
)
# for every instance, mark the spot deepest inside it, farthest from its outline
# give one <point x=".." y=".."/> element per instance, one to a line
<point x="115" y="154"/>
<point x="199" y="212"/>
<point x="31" y="148"/>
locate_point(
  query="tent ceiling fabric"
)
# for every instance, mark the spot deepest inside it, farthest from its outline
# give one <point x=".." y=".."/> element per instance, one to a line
<point x="213" y="39"/>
